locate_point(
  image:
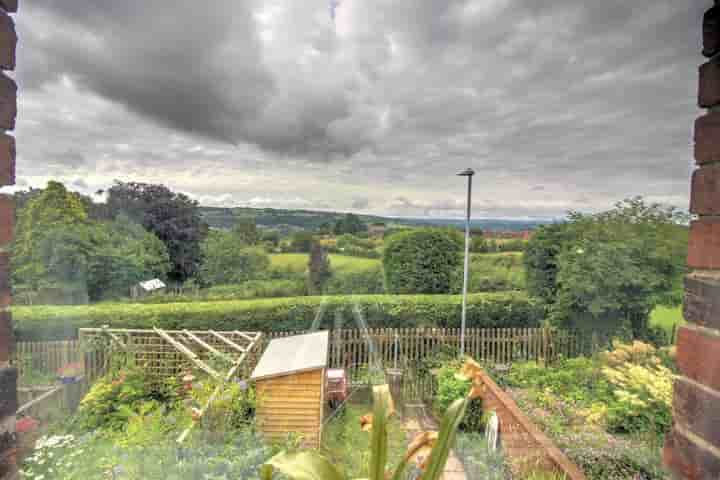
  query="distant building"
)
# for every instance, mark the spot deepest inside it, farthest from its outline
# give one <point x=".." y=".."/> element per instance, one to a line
<point x="142" y="289"/>
<point x="377" y="229"/>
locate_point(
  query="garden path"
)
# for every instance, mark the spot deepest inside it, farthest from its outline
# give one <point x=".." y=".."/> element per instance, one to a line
<point x="416" y="419"/>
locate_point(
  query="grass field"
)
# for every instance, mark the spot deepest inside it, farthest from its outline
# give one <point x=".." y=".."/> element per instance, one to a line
<point x="666" y="317"/>
<point x="297" y="262"/>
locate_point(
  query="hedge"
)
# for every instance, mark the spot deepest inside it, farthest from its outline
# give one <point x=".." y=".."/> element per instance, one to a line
<point x="295" y="313"/>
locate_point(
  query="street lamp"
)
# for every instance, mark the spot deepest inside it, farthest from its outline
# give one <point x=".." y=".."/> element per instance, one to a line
<point x="469" y="174"/>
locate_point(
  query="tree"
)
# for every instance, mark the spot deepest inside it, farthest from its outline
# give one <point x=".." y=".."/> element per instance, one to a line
<point x="172" y="217"/>
<point x="40" y="222"/>
<point x="319" y="271"/>
<point x="422" y="261"/>
<point x="124" y="255"/>
<point x="226" y="260"/>
<point x="607" y="271"/>
<point x="301" y="242"/>
<point x="246" y="230"/>
<point x="351" y="224"/>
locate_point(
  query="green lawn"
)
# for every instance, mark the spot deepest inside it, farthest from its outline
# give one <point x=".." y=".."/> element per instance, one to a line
<point x="297" y="262"/>
<point x="666" y="317"/>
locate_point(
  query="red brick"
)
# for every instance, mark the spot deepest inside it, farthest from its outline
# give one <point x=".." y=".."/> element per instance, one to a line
<point x="702" y="299"/>
<point x="707" y="138"/>
<point x="8" y="102"/>
<point x="705" y="196"/>
<point x="8" y="41"/>
<point x="709" y="88"/>
<point x="704" y="244"/>
<point x="696" y="408"/>
<point x="5" y="292"/>
<point x="7" y="160"/>
<point x="9" y="5"/>
<point x="697" y="356"/>
<point x="711" y="31"/>
<point x="689" y="460"/>
<point x="7" y="337"/>
<point x="7" y="220"/>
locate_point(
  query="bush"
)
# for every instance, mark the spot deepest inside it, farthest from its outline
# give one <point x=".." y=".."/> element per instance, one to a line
<point x="422" y="261"/>
<point x="295" y="313"/>
<point x="451" y="388"/>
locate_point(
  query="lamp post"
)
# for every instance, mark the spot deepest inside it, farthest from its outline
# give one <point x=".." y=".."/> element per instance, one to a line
<point x="469" y="174"/>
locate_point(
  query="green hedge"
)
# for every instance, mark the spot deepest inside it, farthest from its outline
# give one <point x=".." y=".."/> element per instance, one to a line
<point x="294" y="313"/>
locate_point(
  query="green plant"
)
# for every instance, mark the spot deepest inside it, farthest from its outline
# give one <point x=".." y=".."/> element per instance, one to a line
<point x="484" y="310"/>
<point x="450" y="388"/>
<point x="312" y="466"/>
<point x="422" y="261"/>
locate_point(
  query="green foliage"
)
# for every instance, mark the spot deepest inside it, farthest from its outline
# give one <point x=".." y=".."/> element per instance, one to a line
<point x="365" y="281"/>
<point x="47" y="218"/>
<point x="296" y="313"/>
<point x="479" y="462"/>
<point x="172" y="217"/>
<point x="227" y="260"/>
<point x="116" y="397"/>
<point x="245" y="230"/>
<point x="357" y="247"/>
<point x="348" y="447"/>
<point x="350" y="224"/>
<point x="301" y="242"/>
<point x="123" y="255"/>
<point x="608" y="271"/>
<point x="319" y="271"/>
<point x="422" y="261"/>
<point x="450" y="388"/>
<point x="495" y="273"/>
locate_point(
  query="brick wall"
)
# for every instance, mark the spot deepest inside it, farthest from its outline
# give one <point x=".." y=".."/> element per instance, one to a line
<point x="8" y="111"/>
<point x="692" y="449"/>
<point x="524" y="445"/>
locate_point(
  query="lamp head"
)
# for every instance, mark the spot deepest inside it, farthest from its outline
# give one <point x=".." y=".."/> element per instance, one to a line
<point x="469" y="172"/>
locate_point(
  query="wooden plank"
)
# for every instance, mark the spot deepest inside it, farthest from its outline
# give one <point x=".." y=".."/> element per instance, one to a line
<point x="228" y="342"/>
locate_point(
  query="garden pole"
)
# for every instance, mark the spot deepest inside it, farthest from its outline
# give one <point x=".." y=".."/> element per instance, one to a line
<point x="469" y="174"/>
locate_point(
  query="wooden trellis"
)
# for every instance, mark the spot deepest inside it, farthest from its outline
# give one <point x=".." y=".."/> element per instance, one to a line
<point x="165" y="353"/>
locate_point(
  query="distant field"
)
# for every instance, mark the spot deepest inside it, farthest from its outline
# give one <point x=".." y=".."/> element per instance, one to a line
<point x="666" y="317"/>
<point x="298" y="262"/>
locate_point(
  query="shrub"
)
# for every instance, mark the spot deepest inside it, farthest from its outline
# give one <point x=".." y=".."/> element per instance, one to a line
<point x="451" y="388"/>
<point x="486" y="310"/>
<point x="422" y="261"/>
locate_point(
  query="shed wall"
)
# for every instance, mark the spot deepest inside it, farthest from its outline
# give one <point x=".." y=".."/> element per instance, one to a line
<point x="291" y="404"/>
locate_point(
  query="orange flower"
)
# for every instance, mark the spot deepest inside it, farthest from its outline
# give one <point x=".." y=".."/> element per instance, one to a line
<point x="420" y="448"/>
<point x="196" y="414"/>
<point x="469" y="369"/>
<point x="477" y="390"/>
<point x="366" y="422"/>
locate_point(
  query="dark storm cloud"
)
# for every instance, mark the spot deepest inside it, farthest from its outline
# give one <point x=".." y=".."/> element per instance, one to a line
<point x="570" y="103"/>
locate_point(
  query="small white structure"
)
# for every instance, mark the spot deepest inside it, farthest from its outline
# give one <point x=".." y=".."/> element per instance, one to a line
<point x="149" y="286"/>
<point x="492" y="429"/>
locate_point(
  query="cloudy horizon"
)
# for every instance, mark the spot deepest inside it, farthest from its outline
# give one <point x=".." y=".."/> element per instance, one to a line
<point x="369" y="106"/>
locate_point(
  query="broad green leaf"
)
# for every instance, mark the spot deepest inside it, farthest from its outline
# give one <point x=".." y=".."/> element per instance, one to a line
<point x="305" y="466"/>
<point x="450" y="424"/>
<point x="378" y="439"/>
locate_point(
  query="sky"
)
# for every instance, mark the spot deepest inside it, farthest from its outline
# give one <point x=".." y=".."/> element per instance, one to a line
<point x="364" y="105"/>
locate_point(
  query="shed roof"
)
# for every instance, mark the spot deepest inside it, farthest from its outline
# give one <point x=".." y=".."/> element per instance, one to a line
<point x="288" y="355"/>
<point x="150" y="285"/>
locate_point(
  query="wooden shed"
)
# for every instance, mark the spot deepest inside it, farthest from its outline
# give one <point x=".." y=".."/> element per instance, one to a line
<point x="290" y="386"/>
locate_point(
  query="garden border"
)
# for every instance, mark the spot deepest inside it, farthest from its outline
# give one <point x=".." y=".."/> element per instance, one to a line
<point x="521" y="439"/>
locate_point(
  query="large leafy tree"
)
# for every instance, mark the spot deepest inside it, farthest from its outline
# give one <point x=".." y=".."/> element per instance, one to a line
<point x="124" y="255"/>
<point x="228" y="260"/>
<point x="319" y="271"/>
<point x="40" y="225"/>
<point x="350" y="223"/>
<point x="422" y="261"/>
<point x="173" y="217"/>
<point x="607" y="271"/>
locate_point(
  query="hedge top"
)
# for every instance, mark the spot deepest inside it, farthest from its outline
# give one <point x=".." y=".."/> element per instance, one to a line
<point x="290" y="313"/>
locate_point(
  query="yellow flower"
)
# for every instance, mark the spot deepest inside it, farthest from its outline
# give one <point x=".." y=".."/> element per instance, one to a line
<point x="420" y="448"/>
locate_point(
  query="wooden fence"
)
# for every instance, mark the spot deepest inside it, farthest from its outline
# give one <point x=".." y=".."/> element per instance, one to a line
<point x="387" y="346"/>
<point x="46" y="357"/>
<point x="357" y="348"/>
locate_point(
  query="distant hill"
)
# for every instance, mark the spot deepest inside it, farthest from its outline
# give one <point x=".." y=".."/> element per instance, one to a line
<point x="289" y="220"/>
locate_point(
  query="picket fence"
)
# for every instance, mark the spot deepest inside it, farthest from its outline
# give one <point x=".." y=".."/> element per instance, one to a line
<point x="387" y="346"/>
